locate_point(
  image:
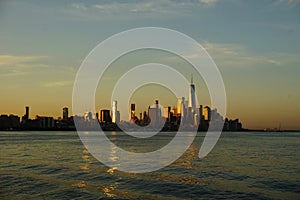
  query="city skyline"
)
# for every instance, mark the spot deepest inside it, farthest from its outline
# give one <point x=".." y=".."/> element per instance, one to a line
<point x="187" y="114"/>
<point x="157" y="117"/>
<point x="255" y="46"/>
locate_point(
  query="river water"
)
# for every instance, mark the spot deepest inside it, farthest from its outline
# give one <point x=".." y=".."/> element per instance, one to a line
<point x="243" y="165"/>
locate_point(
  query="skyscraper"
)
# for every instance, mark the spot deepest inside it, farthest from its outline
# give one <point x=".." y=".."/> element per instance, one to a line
<point x="65" y="113"/>
<point x="206" y="113"/>
<point x="25" y="117"/>
<point x="105" y="116"/>
<point x="192" y="98"/>
<point x="115" y="113"/>
<point x="179" y="102"/>
<point x="167" y="112"/>
<point x="132" y="111"/>
<point x="181" y="107"/>
<point x="156" y="110"/>
<point x="27" y="113"/>
<point x="155" y="114"/>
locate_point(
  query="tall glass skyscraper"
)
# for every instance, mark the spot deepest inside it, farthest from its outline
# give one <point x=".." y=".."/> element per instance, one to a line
<point x="192" y="98"/>
<point x="115" y="114"/>
<point x="65" y="113"/>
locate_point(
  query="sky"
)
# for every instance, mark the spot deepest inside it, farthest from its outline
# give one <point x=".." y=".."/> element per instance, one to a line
<point x="255" y="45"/>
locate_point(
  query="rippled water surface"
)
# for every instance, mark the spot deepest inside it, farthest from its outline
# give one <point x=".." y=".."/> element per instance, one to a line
<point x="55" y="165"/>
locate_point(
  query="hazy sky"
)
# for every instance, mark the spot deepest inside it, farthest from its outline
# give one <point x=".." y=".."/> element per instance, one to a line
<point x="255" y="44"/>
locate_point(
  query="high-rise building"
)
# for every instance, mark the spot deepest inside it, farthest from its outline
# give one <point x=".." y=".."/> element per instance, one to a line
<point x="146" y="117"/>
<point x="25" y="117"/>
<point x="179" y="102"/>
<point x="132" y="111"/>
<point x="201" y="111"/>
<point x="156" y="109"/>
<point x="206" y="113"/>
<point x="196" y="119"/>
<point x="155" y="114"/>
<point x="65" y="113"/>
<point x="45" y="122"/>
<point x="197" y="115"/>
<point x="201" y="114"/>
<point x="118" y="117"/>
<point x="152" y="116"/>
<point x="115" y="113"/>
<point x="182" y="107"/>
<point x="192" y="98"/>
<point x="27" y="113"/>
<point x="105" y="116"/>
<point x="167" y="111"/>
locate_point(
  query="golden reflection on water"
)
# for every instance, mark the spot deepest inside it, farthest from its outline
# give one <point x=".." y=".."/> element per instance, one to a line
<point x="111" y="171"/>
<point x="113" y="152"/>
<point x="110" y="190"/>
<point x="85" y="151"/>
<point x="188" y="157"/>
<point x="81" y="184"/>
<point x="86" y="158"/>
<point x="85" y="167"/>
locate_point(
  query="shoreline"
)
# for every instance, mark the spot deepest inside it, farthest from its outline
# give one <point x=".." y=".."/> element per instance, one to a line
<point x="92" y="130"/>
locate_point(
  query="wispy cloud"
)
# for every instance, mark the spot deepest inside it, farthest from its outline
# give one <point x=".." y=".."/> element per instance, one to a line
<point x="79" y="6"/>
<point x="208" y="2"/>
<point x="13" y="73"/>
<point x="102" y="10"/>
<point x="275" y="62"/>
<point x="290" y="3"/>
<point x="294" y="2"/>
<point x="238" y="55"/>
<point x="11" y="65"/>
<point x="136" y="7"/>
<point x="22" y="61"/>
<point x="58" y="83"/>
<point x="228" y="49"/>
<point x="235" y="55"/>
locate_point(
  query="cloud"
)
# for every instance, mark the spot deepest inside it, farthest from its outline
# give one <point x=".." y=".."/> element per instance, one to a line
<point x="290" y="3"/>
<point x="58" y="84"/>
<point x="80" y="6"/>
<point x="103" y="10"/>
<point x="275" y="62"/>
<point x="11" y="65"/>
<point x="208" y="2"/>
<point x="13" y="73"/>
<point x="228" y="49"/>
<point x="135" y="7"/>
<point x="10" y="60"/>
<point x="294" y="2"/>
<point x="140" y="6"/>
<point x="235" y="55"/>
